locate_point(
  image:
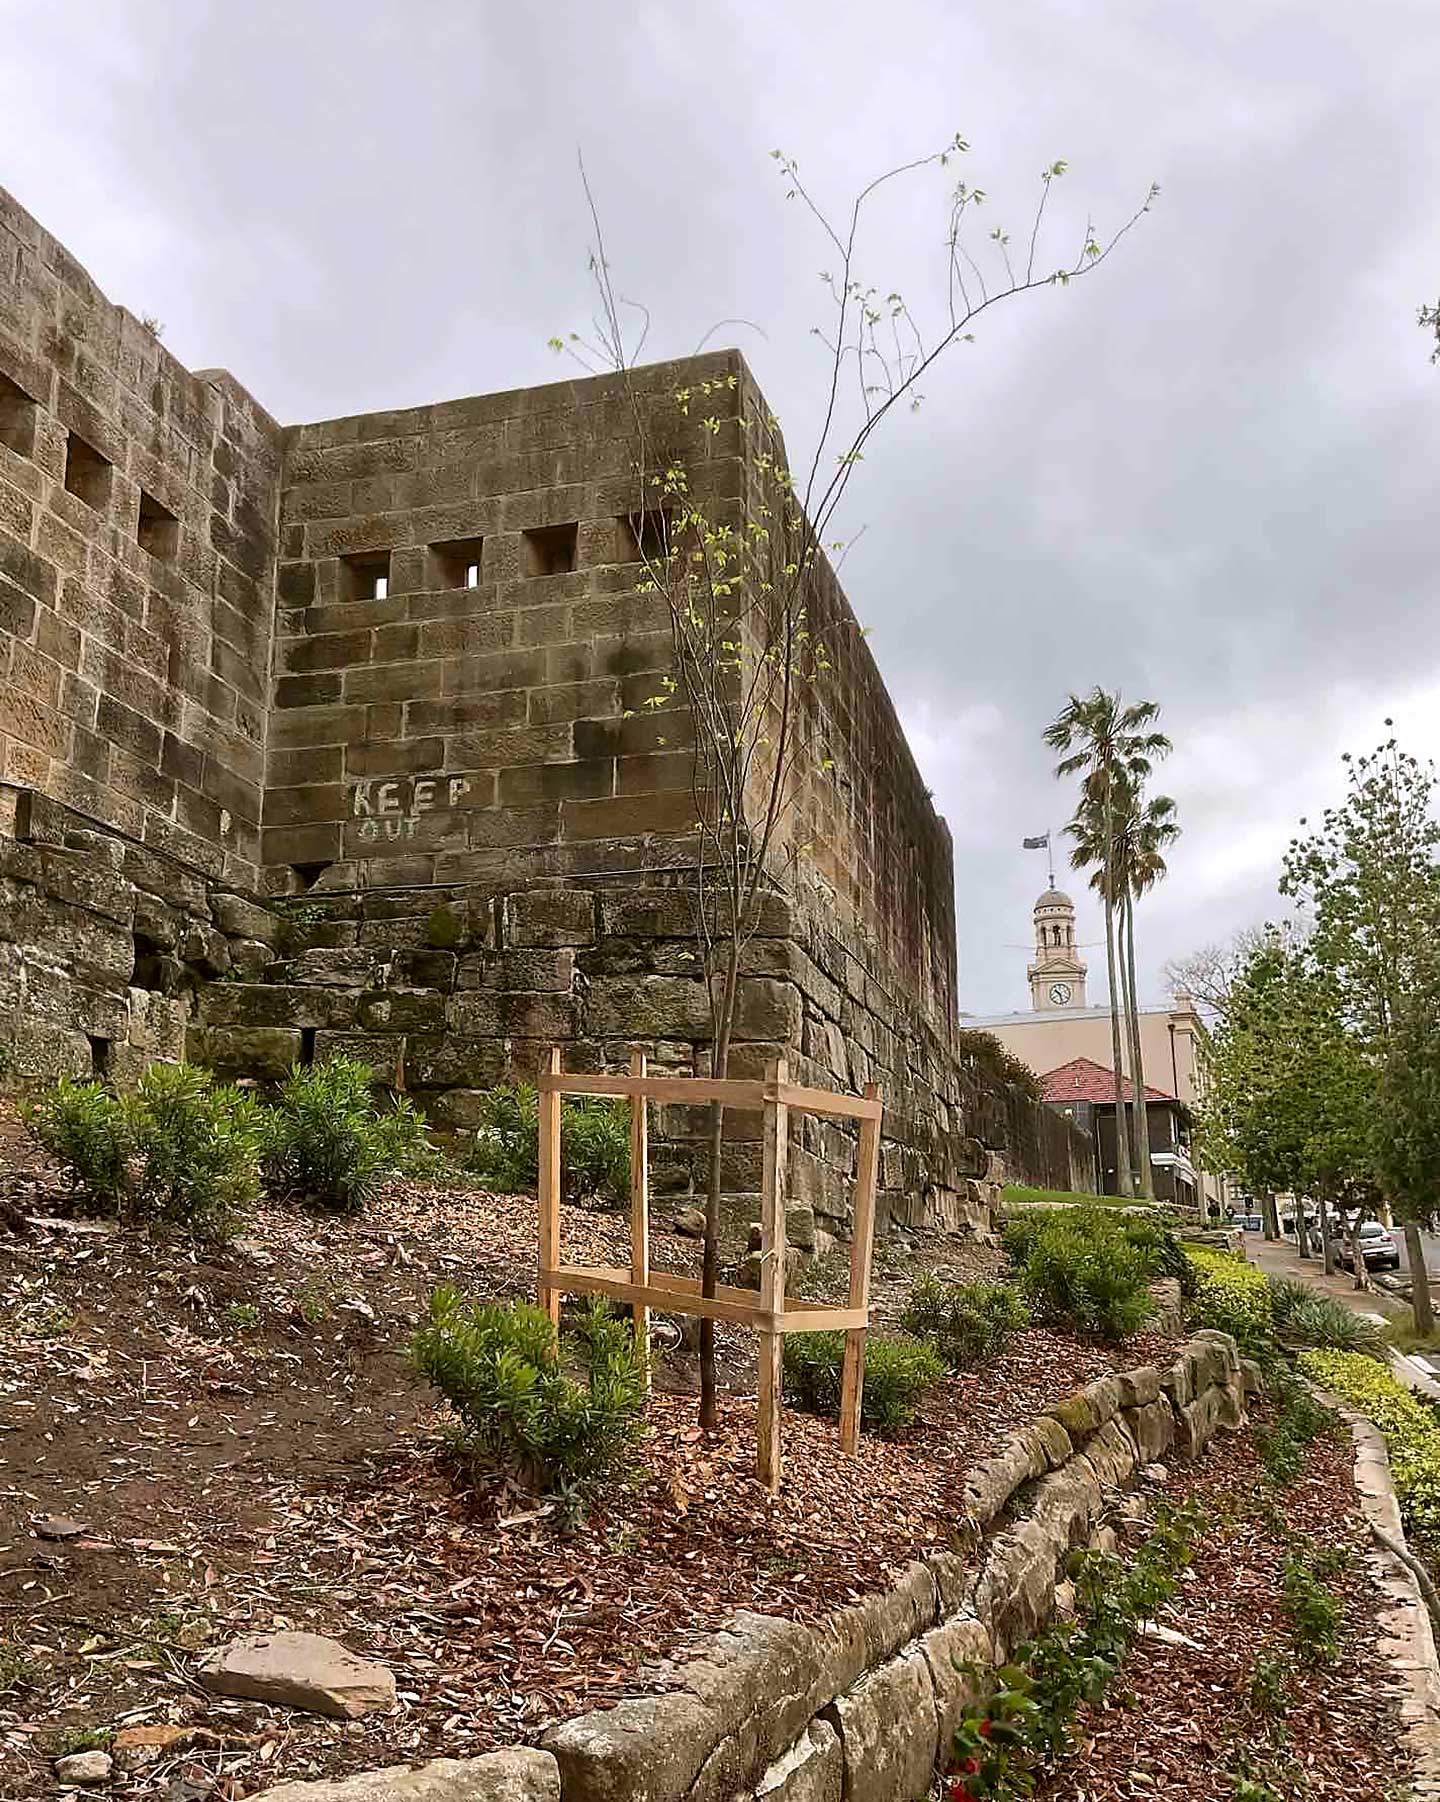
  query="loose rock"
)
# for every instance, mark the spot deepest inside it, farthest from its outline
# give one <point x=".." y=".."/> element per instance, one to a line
<point x="298" y="1670"/>
<point x="85" y="1768"/>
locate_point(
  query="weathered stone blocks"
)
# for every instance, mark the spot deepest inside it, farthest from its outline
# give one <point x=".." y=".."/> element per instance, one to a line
<point x="888" y="1732"/>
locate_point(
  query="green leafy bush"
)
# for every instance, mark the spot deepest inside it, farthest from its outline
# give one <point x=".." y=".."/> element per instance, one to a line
<point x="1299" y="1420"/>
<point x="1017" y="1725"/>
<point x="985" y="1052"/>
<point x="898" y="1372"/>
<point x="499" y="1365"/>
<point x="967" y="1323"/>
<point x="1232" y="1296"/>
<point x="1079" y="1269"/>
<point x="181" y="1152"/>
<point x="1410" y="1427"/>
<point x="1309" y="1317"/>
<point x="594" y="1144"/>
<point x="327" y="1145"/>
<point x="1314" y="1610"/>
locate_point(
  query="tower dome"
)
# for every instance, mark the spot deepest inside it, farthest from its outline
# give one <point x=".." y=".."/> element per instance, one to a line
<point x="1057" y="975"/>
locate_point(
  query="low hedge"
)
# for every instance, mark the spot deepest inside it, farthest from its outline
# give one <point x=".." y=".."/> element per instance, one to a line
<point x="1231" y="1295"/>
<point x="1409" y="1425"/>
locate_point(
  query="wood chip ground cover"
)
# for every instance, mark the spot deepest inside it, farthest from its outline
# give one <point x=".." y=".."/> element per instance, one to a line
<point x="242" y="1445"/>
<point x="1183" y="1722"/>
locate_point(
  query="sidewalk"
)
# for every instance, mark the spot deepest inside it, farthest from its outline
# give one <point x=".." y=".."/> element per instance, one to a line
<point x="1280" y="1258"/>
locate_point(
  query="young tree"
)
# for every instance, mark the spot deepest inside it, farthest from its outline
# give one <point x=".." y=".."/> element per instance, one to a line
<point x="1407" y="1123"/>
<point x="1208" y="975"/>
<point x="1112" y="749"/>
<point x="757" y="621"/>
<point x="1368" y="880"/>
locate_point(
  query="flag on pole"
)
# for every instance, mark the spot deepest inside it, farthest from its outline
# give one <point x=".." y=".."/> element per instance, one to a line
<point x="1037" y="844"/>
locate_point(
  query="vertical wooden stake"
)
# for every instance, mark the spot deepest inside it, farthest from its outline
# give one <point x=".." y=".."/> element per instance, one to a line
<point x="772" y="1278"/>
<point x="862" y="1244"/>
<point x="549" y="1111"/>
<point x="640" y="1208"/>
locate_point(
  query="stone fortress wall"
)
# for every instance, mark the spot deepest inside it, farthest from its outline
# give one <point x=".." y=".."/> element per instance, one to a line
<point x="333" y="736"/>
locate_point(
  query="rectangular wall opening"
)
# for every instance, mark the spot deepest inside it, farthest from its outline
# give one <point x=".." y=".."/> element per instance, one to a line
<point x="157" y="530"/>
<point x="454" y="564"/>
<point x="87" y="473"/>
<point x="645" y="537"/>
<point x="17" y="419"/>
<point x="550" y="550"/>
<point x="365" y="576"/>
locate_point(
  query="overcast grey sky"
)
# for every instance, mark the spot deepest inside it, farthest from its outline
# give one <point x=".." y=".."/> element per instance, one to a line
<point x="1207" y="474"/>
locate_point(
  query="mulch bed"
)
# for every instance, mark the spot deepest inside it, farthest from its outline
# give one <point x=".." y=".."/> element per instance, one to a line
<point x="241" y="1439"/>
<point x="1185" y="1727"/>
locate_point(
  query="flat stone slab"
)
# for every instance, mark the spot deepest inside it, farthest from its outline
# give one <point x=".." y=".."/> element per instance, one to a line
<point x="298" y="1670"/>
<point x="518" y="1774"/>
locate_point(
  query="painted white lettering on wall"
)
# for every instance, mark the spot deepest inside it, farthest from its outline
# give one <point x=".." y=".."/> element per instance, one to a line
<point x="393" y="807"/>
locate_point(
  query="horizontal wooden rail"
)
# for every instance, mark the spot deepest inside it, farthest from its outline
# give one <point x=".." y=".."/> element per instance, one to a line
<point x="688" y="1089"/>
<point x="667" y="1294"/>
<point x="699" y="1090"/>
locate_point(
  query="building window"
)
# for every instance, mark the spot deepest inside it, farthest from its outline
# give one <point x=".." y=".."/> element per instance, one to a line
<point x="157" y="530"/>
<point x="455" y="563"/>
<point x="87" y="473"/>
<point x="17" y="419"/>
<point x="365" y="576"/>
<point x="550" y="550"/>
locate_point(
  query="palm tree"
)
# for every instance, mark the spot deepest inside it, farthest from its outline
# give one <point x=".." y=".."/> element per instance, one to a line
<point x="1112" y="750"/>
<point x="1149" y="828"/>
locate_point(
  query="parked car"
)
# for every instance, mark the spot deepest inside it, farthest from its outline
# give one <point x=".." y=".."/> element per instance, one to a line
<point x="1377" y="1247"/>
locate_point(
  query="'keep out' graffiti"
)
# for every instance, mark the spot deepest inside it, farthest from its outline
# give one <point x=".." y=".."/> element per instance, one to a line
<point x="395" y="808"/>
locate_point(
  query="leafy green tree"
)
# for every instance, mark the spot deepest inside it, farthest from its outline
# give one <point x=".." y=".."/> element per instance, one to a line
<point x="755" y="616"/>
<point x="1407" y="1120"/>
<point x="1289" y="1089"/>
<point x="1113" y="749"/>
<point x="1368" y="881"/>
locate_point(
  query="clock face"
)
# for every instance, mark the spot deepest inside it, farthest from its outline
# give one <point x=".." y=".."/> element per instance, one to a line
<point x="1060" y="993"/>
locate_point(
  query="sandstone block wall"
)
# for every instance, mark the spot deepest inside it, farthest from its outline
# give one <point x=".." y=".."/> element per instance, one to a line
<point x="138" y="507"/>
<point x="389" y="673"/>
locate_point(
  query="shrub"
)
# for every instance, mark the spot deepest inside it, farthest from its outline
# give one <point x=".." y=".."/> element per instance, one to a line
<point x="180" y="1152"/>
<point x="967" y="1323"/>
<point x="1232" y="1296"/>
<point x="328" y="1146"/>
<point x="985" y="1052"/>
<point x="1299" y="1419"/>
<point x="1079" y="1269"/>
<point x="594" y="1144"/>
<point x="1314" y="1609"/>
<point x="1409" y="1425"/>
<point x="499" y="1366"/>
<point x="1312" y="1318"/>
<point x="898" y="1372"/>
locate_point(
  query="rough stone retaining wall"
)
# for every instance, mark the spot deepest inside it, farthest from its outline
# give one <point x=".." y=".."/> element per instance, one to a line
<point x="113" y="954"/>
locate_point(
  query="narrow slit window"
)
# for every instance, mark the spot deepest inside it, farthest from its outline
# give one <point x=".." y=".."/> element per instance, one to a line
<point x="87" y="473"/>
<point x="17" y="419"/>
<point x="365" y="576"/>
<point x="157" y="530"/>
<point x="454" y="563"/>
<point x="550" y="550"/>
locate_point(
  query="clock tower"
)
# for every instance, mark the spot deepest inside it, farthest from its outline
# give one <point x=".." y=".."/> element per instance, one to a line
<point x="1057" y="976"/>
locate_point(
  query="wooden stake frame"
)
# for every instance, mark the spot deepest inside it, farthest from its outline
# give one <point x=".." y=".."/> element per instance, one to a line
<point x="770" y="1312"/>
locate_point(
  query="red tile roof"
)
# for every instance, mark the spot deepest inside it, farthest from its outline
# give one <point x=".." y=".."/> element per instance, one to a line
<point x="1082" y="1079"/>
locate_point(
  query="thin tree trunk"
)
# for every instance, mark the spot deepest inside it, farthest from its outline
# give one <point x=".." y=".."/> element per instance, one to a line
<point x="710" y="1264"/>
<point x="1357" y="1261"/>
<point x="1137" y="1061"/>
<point x="1122" y="1132"/>
<point x="1270" y="1214"/>
<point x="1419" y="1279"/>
<point x="1327" y="1242"/>
<point x="1302" y="1228"/>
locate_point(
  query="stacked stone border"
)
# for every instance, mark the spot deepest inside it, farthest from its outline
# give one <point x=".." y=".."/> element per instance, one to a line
<point x="1410" y="1642"/>
<point x="861" y="1707"/>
